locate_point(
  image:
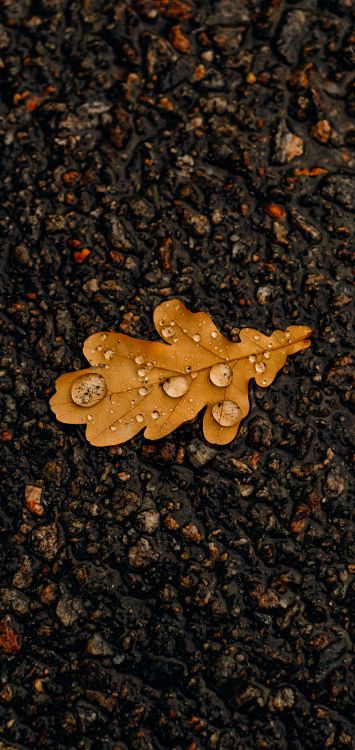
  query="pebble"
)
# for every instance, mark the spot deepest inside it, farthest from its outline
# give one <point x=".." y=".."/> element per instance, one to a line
<point x="287" y="145"/>
<point x="45" y="540"/>
<point x="97" y="646"/>
<point x="142" y="554"/>
<point x="148" y="521"/>
<point x="200" y="453"/>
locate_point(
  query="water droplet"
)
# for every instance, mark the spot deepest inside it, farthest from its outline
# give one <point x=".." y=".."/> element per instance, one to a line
<point x="161" y="322"/>
<point x="139" y="418"/>
<point x="113" y="428"/>
<point x="176" y="386"/>
<point x="149" y="365"/>
<point x="132" y="402"/>
<point x="214" y="334"/>
<point x="155" y="414"/>
<point x="168" y="332"/>
<point x="109" y="353"/>
<point x="264" y="382"/>
<point x="90" y="417"/>
<point x="196" y="337"/>
<point x="221" y="375"/>
<point x="288" y="334"/>
<point x="269" y="345"/>
<point x="194" y="375"/>
<point x="175" y="340"/>
<point x="252" y="358"/>
<point x="142" y="372"/>
<point x="143" y="391"/>
<point x="172" y="322"/>
<point x="188" y="368"/>
<point x="88" y="389"/>
<point x="256" y="338"/>
<point x="226" y="413"/>
<point x="99" y="348"/>
<point x="103" y="337"/>
<point x="139" y="359"/>
<point x="260" y="367"/>
<point x="267" y="355"/>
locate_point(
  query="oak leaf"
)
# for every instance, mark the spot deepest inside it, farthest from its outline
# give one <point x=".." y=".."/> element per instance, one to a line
<point x="134" y="384"/>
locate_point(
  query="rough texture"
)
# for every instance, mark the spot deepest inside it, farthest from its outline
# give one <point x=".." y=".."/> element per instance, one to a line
<point x="163" y="596"/>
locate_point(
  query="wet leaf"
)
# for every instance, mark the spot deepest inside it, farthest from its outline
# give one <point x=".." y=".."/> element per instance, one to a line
<point x="134" y="384"/>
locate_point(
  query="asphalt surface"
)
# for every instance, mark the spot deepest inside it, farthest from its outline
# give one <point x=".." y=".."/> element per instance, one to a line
<point x="173" y="595"/>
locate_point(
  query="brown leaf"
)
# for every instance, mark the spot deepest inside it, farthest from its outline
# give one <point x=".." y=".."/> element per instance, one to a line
<point x="134" y="384"/>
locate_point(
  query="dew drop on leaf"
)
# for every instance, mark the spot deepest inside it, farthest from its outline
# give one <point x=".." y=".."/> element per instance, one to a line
<point x="252" y="358"/>
<point x="214" y="334"/>
<point x="139" y="417"/>
<point x="88" y="389"/>
<point x="168" y="332"/>
<point x="155" y="414"/>
<point x="226" y="413"/>
<point x="142" y="391"/>
<point x="142" y="372"/>
<point x="90" y="417"/>
<point x="113" y="428"/>
<point x="267" y="355"/>
<point x="109" y="353"/>
<point x="139" y="359"/>
<point x="269" y="346"/>
<point x="260" y="367"/>
<point x="196" y="337"/>
<point x="221" y="375"/>
<point x="176" y="386"/>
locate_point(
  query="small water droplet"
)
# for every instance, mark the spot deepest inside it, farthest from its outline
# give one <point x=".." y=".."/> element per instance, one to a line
<point x="267" y="355"/>
<point x="188" y="368"/>
<point x="260" y="367"/>
<point x="139" y="359"/>
<point x="194" y="375"/>
<point x="256" y="338"/>
<point x="175" y="340"/>
<point x="168" y="332"/>
<point x="143" y="391"/>
<point x="149" y="365"/>
<point x="252" y="358"/>
<point x="172" y="322"/>
<point x="226" y="413"/>
<point x="103" y="337"/>
<point x="113" y="428"/>
<point x="288" y="334"/>
<point x="90" y="417"/>
<point x="139" y="418"/>
<point x="221" y="375"/>
<point x="176" y="386"/>
<point x="99" y="348"/>
<point x="88" y="389"/>
<point x="214" y="334"/>
<point x="155" y="414"/>
<point x="264" y="382"/>
<point x="196" y="337"/>
<point x="111" y="411"/>
<point x="269" y="345"/>
<point x="132" y="402"/>
<point x="141" y="372"/>
<point x="109" y="353"/>
<point x="161" y="322"/>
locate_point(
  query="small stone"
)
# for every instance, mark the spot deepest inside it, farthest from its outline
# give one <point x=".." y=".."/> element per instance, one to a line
<point x="68" y="610"/>
<point x="334" y="484"/>
<point x="45" y="540"/>
<point x="97" y="646"/>
<point x="142" y="554"/>
<point x="148" y="521"/>
<point x="340" y="188"/>
<point x="9" y="639"/>
<point x="260" y="432"/>
<point x="322" y="131"/>
<point x="291" y="31"/>
<point x="191" y="532"/>
<point x="263" y="294"/>
<point x="33" y="499"/>
<point x="283" y="699"/>
<point x="199" y="453"/>
<point x="287" y="145"/>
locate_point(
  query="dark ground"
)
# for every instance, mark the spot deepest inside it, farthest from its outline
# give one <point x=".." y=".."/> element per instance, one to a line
<point x="204" y="150"/>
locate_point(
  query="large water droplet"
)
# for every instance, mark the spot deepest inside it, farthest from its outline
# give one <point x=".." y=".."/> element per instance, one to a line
<point x="260" y="367"/>
<point x="252" y="358"/>
<point x="139" y="418"/>
<point x="88" y="389"/>
<point x="196" y="337"/>
<point x="109" y="353"/>
<point x="155" y="414"/>
<point x="221" y="375"/>
<point x="139" y="359"/>
<point x="176" y="386"/>
<point x="168" y="332"/>
<point x="226" y="413"/>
